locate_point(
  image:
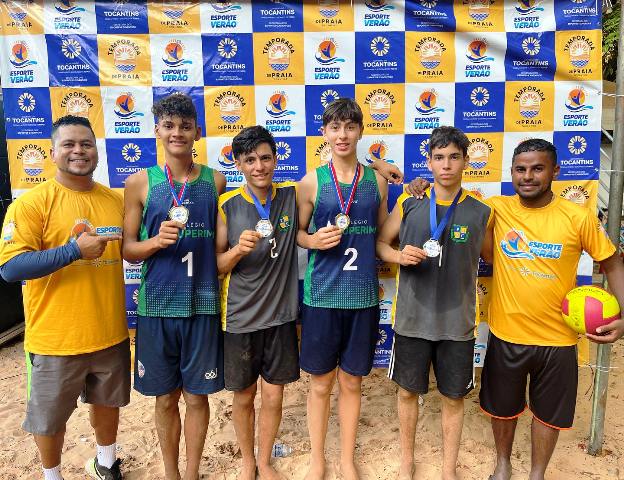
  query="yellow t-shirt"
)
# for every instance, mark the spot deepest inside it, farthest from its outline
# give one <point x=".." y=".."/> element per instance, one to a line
<point x="536" y="254"/>
<point x="79" y="308"/>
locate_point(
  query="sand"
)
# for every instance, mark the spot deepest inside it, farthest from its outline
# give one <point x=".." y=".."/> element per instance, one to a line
<point x="377" y="447"/>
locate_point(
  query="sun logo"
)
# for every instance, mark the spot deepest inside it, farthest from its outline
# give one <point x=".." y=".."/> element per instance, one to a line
<point x="124" y="106"/>
<point x="71" y="48"/>
<point x="427" y="102"/>
<point x="329" y="8"/>
<point x="124" y="57"/>
<point x="326" y="52"/>
<point x="531" y="46"/>
<point x="224" y="6"/>
<point x="430" y="54"/>
<point x="479" y="10"/>
<point x="78" y="106"/>
<point x="226" y="157"/>
<point x="230" y="109"/>
<point x="173" y="10"/>
<point x="323" y="154"/>
<point x="378" y="5"/>
<point x="32" y="162"/>
<point x="478" y="155"/>
<point x="328" y="96"/>
<point x="81" y="225"/>
<point x="477" y="51"/>
<point x="279" y="56"/>
<point x="174" y="54"/>
<point x="131" y="152"/>
<point x="379" y="107"/>
<point x="576" y="100"/>
<point x="577" y="145"/>
<point x="579" y="53"/>
<point x="20" y="55"/>
<point x="283" y="151"/>
<point x="67" y="7"/>
<point x="383" y="337"/>
<point x="480" y="96"/>
<point x="529" y="104"/>
<point x="380" y="46"/>
<point x="227" y="48"/>
<point x="576" y="194"/>
<point x="277" y="106"/>
<point x="428" y="3"/>
<point x="26" y="102"/>
<point x="377" y="151"/>
<point x="528" y="7"/>
<point x="424" y="148"/>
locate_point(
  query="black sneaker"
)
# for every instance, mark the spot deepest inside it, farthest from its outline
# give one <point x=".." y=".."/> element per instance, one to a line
<point x="96" y="470"/>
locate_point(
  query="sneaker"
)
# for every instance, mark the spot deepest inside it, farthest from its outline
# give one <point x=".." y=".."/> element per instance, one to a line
<point x="96" y="470"/>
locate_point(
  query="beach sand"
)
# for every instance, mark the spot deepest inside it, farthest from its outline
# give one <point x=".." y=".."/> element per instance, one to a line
<point x="377" y="449"/>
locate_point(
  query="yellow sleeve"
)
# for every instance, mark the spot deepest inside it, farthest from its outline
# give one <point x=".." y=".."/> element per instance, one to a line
<point x="22" y="231"/>
<point x="594" y="239"/>
<point x="400" y="201"/>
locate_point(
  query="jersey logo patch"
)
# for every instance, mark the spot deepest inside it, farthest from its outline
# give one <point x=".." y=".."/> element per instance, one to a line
<point x="9" y="231"/>
<point x="459" y="233"/>
<point x="284" y="223"/>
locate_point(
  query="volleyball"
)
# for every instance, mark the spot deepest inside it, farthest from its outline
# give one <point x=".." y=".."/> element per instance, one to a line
<point x="586" y="308"/>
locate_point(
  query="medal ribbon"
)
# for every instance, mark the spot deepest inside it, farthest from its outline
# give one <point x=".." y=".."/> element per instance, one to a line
<point x="263" y="210"/>
<point x="437" y="229"/>
<point x="177" y="198"/>
<point x="344" y="208"/>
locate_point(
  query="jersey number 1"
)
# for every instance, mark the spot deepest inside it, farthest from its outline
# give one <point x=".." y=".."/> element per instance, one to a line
<point x="189" y="266"/>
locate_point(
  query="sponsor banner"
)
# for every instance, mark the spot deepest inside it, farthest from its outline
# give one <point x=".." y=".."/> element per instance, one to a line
<point x="121" y="16"/>
<point x="480" y="348"/>
<point x="318" y="153"/>
<point x="430" y="105"/>
<point x="530" y="56"/>
<point x="21" y="17"/>
<point x="485" y="157"/>
<point x="125" y="157"/>
<point x="196" y="93"/>
<point x="286" y="16"/>
<point x="199" y="152"/>
<point x="415" y="163"/>
<point x="132" y="272"/>
<point x="317" y="97"/>
<point x="484" y="295"/>
<point x="29" y="162"/>
<point x="480" y="57"/>
<point x="380" y="59"/>
<point x="327" y="16"/>
<point x="480" y="108"/>
<point x="529" y="106"/>
<point x="578" y="14"/>
<point x="529" y="15"/>
<point x="579" y="55"/>
<point x="278" y="58"/>
<point x="578" y="155"/>
<point x="171" y="17"/>
<point x="390" y="148"/>
<point x="387" y="292"/>
<point x="80" y="101"/>
<point x="221" y="158"/>
<point x="281" y="110"/>
<point x="73" y="60"/>
<point x="219" y="16"/>
<point x="511" y="141"/>
<point x="482" y="191"/>
<point x="383" y="107"/>
<point x="24" y="61"/>
<point x="125" y="60"/>
<point x="128" y="112"/>
<point x="291" y="159"/>
<point x="429" y="15"/>
<point x="429" y="57"/>
<point x="383" y="349"/>
<point x="329" y="58"/>
<point x="379" y="15"/>
<point x="578" y="106"/>
<point x="480" y="15"/>
<point x="581" y="192"/>
<point x="132" y="304"/>
<point x="69" y="16"/>
<point x="228" y="59"/>
<point x="176" y="60"/>
<point x="27" y="112"/>
<point x="386" y="270"/>
<point x="229" y="110"/>
<point x="100" y="174"/>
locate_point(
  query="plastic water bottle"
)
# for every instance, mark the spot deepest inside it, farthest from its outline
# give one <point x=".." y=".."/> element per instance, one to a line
<point x="281" y="450"/>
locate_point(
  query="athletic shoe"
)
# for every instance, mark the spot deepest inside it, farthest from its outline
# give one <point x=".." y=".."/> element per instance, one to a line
<point x="96" y="470"/>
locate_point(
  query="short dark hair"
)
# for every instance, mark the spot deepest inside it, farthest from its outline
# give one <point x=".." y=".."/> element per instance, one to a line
<point x="175" y="105"/>
<point x="443" y="136"/>
<point x="70" y="120"/>
<point x="248" y="139"/>
<point x="536" y="145"/>
<point x="343" y="110"/>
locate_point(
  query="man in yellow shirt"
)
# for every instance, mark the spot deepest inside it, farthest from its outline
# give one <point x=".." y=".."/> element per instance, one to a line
<point x="537" y="241"/>
<point x="63" y="239"/>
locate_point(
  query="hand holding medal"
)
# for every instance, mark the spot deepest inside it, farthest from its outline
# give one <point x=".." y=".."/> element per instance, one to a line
<point x="247" y="241"/>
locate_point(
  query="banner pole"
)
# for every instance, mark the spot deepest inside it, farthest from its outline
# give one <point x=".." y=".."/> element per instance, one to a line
<point x="616" y="188"/>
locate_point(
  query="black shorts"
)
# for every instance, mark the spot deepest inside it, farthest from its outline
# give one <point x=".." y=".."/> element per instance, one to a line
<point x="553" y="382"/>
<point x="272" y="353"/>
<point x="411" y="359"/>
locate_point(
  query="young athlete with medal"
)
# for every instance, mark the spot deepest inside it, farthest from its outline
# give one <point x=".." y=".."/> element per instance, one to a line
<point x="435" y="309"/>
<point x="169" y="224"/>
<point x="259" y="295"/>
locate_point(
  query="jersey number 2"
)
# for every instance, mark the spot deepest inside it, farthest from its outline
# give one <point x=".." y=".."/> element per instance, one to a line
<point x="189" y="266"/>
<point x="349" y="265"/>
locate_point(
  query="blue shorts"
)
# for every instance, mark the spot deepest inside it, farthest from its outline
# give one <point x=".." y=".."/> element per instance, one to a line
<point x="332" y="337"/>
<point x="172" y="353"/>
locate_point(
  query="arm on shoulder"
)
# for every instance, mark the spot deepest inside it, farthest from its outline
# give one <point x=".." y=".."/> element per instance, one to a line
<point x="382" y="214"/>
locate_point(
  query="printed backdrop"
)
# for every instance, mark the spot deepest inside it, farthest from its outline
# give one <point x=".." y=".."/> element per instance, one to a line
<point x="501" y="71"/>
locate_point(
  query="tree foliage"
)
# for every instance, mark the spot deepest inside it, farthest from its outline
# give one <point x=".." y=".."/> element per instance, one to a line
<point x="610" y="38"/>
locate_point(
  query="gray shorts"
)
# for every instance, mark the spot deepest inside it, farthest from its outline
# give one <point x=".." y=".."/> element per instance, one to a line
<point x="55" y="382"/>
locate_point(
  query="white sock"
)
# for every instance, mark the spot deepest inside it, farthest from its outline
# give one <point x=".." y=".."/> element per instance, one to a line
<point x="53" y="473"/>
<point x="106" y="456"/>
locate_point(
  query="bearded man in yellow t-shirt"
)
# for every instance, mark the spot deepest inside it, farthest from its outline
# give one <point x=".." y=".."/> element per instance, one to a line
<point x="63" y="238"/>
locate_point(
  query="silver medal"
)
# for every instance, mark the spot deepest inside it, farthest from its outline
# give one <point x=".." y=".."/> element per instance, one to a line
<point x="264" y="228"/>
<point x="342" y="221"/>
<point x="179" y="214"/>
<point x="432" y="248"/>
